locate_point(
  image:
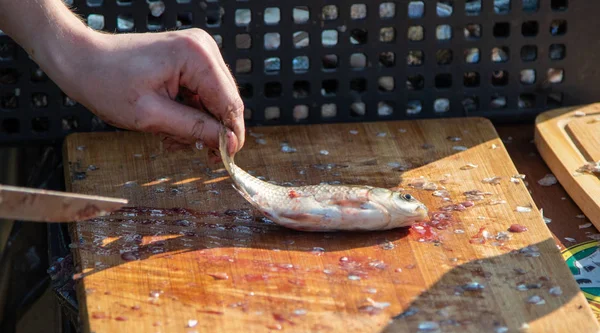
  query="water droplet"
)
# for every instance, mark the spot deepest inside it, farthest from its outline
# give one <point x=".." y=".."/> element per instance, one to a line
<point x="323" y="152"/>
<point x="353" y="277"/>
<point x="353" y="132"/>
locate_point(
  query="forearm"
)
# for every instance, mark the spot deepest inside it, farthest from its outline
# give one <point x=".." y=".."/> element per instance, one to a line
<point x="48" y="31"/>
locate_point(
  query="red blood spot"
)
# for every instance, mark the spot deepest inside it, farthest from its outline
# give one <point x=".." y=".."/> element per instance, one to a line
<point x="297" y="282"/>
<point x="98" y="315"/>
<point x="121" y="318"/>
<point x="281" y="318"/>
<point x="219" y="276"/>
<point x="256" y="277"/>
<point x="517" y="228"/>
<point x="293" y="194"/>
<point x="210" y="312"/>
<point x="423" y="232"/>
<point x="479" y="238"/>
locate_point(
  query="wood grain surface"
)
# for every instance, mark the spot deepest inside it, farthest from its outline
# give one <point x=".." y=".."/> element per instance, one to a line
<point x="567" y="139"/>
<point x="191" y="255"/>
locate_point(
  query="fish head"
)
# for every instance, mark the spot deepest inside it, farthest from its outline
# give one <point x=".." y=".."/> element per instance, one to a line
<point x="406" y="209"/>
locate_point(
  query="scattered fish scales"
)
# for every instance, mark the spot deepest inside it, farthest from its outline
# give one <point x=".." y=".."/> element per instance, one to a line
<point x="548" y="180"/>
<point x="492" y="180"/>
<point x="580" y="216"/>
<point x="497" y="202"/>
<point x="441" y="193"/>
<point x="300" y="312"/>
<point x="353" y="132"/>
<point x="454" y="138"/>
<point x="411" y="311"/>
<point x="469" y="166"/>
<point x="378" y="305"/>
<point x="502" y="236"/>
<point x="473" y="286"/>
<point x="324" y="152"/>
<point x="590" y="167"/>
<point x="585" y="226"/>
<point x="501" y="329"/>
<point x="569" y="239"/>
<point x="381" y="134"/>
<point x="579" y="113"/>
<point x="555" y="291"/>
<point x="523" y="209"/>
<point x="428" y="326"/>
<point x="537" y="300"/>
<point x="287" y="149"/>
<point x="192" y="323"/>
<point x="460" y="148"/>
<point x="547" y="220"/>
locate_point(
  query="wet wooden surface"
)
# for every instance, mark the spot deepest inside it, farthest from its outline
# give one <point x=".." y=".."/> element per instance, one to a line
<point x="219" y="266"/>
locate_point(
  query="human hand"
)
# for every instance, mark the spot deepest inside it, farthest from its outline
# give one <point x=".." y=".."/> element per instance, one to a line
<point x="131" y="81"/>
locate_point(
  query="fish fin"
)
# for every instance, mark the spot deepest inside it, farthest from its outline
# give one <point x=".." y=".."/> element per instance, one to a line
<point x="246" y="196"/>
<point x="302" y="217"/>
<point x="349" y="203"/>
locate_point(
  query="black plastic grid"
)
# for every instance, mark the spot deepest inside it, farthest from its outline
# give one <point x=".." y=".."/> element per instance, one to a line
<point x="501" y="59"/>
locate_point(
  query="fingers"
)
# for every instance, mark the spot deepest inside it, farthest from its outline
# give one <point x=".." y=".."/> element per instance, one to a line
<point x="206" y="74"/>
<point x="181" y="123"/>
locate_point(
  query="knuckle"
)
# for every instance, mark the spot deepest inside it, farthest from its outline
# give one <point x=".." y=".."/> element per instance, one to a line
<point x="194" y="39"/>
<point x="235" y="110"/>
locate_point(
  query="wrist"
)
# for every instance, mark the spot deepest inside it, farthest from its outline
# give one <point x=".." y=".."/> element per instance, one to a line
<point x="62" y="48"/>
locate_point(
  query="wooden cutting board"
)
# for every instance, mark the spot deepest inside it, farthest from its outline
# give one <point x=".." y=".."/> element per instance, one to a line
<point x="567" y="139"/>
<point x="190" y="255"/>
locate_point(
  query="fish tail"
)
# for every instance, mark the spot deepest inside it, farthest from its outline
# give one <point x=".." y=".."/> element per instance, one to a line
<point x="228" y="160"/>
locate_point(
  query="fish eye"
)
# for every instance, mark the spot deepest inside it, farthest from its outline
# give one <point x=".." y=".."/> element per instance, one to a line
<point x="408" y="196"/>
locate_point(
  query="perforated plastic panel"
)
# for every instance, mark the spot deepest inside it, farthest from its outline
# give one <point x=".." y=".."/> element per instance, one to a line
<point x="329" y="61"/>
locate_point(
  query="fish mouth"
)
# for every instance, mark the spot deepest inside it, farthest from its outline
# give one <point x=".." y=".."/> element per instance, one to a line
<point x="421" y="213"/>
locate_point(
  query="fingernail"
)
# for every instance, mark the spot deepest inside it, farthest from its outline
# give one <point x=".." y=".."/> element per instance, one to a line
<point x="232" y="142"/>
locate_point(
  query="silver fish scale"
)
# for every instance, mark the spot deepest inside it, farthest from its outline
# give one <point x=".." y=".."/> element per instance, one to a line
<point x="281" y="194"/>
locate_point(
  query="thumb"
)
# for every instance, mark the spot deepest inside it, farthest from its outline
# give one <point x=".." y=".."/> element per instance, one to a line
<point x="183" y="123"/>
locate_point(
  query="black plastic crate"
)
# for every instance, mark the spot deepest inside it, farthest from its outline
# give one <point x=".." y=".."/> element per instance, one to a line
<point x="343" y="61"/>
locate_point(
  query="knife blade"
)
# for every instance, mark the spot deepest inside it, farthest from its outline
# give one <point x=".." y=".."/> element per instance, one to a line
<point x="36" y="205"/>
